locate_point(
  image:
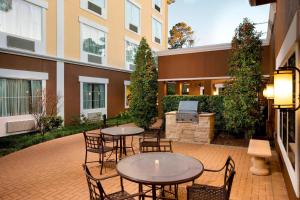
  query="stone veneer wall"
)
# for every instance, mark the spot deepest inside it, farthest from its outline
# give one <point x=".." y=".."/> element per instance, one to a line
<point x="202" y="132"/>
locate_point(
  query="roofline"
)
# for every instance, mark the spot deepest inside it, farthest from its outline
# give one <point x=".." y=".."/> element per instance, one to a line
<point x="198" y="49"/>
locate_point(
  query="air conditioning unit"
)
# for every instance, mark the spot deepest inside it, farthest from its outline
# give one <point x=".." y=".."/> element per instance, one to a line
<point x="94" y="116"/>
<point x="157" y="8"/>
<point x="95" y="8"/>
<point x="20" y="126"/>
<point x="94" y="59"/>
<point x="20" y="43"/>
<point x="133" y="28"/>
<point x="157" y="40"/>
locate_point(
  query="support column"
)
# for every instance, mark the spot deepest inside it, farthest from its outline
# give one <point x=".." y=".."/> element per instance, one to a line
<point x="60" y="65"/>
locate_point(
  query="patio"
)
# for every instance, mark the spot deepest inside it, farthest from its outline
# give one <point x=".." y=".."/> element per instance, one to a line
<point x="52" y="170"/>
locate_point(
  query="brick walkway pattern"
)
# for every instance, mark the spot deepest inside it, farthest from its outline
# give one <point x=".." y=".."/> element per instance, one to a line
<point x="52" y="170"/>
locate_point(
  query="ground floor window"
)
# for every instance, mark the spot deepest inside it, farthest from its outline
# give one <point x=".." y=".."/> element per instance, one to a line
<point x="93" y="95"/>
<point x="287" y="134"/>
<point x="20" y="97"/>
<point x="127" y="93"/>
<point x="171" y="88"/>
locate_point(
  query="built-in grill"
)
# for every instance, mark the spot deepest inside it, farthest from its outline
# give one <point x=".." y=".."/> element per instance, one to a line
<point x="187" y="112"/>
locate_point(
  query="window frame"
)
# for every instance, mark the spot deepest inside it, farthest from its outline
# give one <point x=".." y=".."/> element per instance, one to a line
<point x="39" y="45"/>
<point x="25" y="75"/>
<point x="84" y="6"/>
<point x="93" y="80"/>
<point x="133" y="42"/>
<point x="125" y="20"/>
<point x="126" y="83"/>
<point x="161" y="7"/>
<point x="84" y="55"/>
<point x="153" y="34"/>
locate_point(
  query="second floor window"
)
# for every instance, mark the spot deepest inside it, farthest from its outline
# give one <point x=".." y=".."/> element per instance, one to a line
<point x="93" y="44"/>
<point x="130" y="49"/>
<point x="157" y="5"/>
<point x="132" y="21"/>
<point x="21" y="18"/>
<point x="156" y="31"/>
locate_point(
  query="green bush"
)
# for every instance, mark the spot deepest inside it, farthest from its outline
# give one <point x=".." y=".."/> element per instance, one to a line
<point x="51" y="122"/>
<point x="213" y="104"/>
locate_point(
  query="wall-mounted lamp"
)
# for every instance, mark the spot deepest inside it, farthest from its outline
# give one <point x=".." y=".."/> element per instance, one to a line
<point x="187" y="90"/>
<point x="284" y="88"/>
<point x="216" y="92"/>
<point x="269" y="91"/>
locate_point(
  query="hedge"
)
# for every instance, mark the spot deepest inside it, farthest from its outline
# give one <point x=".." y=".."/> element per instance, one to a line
<point x="214" y="104"/>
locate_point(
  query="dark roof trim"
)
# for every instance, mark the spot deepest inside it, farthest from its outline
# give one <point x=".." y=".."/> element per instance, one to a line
<point x="260" y="2"/>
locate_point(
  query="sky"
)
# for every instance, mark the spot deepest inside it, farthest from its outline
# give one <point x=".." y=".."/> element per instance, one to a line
<point x="214" y="21"/>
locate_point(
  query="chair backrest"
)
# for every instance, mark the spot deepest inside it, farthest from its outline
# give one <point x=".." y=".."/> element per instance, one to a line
<point x="229" y="175"/>
<point x="93" y="141"/>
<point x="95" y="188"/>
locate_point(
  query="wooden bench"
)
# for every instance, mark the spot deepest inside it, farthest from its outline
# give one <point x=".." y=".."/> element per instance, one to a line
<point x="259" y="150"/>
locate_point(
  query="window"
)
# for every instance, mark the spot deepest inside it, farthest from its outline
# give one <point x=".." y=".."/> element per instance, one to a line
<point x="156" y="31"/>
<point x="130" y="51"/>
<point x="127" y="93"/>
<point x="20" y="97"/>
<point x="97" y="7"/>
<point x="132" y="17"/>
<point x="185" y="88"/>
<point x="93" y="44"/>
<point x="171" y="88"/>
<point x="21" y="25"/>
<point x="93" y="96"/>
<point x="157" y="5"/>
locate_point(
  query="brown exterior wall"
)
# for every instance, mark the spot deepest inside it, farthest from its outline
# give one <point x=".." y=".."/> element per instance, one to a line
<point x="9" y="61"/>
<point x="203" y="64"/>
<point x="115" y="89"/>
<point x="285" y="12"/>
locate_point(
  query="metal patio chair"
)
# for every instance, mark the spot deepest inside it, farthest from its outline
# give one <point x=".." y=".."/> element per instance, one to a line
<point x="207" y="192"/>
<point x="97" y="191"/>
<point x="94" y="143"/>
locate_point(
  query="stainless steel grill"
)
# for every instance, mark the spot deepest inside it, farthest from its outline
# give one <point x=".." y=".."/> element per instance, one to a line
<point x="187" y="112"/>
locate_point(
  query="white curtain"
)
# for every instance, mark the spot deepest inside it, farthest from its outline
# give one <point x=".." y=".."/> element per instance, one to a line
<point x="3" y="106"/>
<point x="23" y="19"/>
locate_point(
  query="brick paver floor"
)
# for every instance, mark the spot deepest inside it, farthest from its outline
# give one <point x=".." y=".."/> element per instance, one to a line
<point x="52" y="170"/>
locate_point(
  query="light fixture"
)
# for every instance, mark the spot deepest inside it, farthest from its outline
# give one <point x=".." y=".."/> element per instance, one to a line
<point x="269" y="91"/>
<point x="284" y="96"/>
<point x="216" y="92"/>
<point x="187" y="90"/>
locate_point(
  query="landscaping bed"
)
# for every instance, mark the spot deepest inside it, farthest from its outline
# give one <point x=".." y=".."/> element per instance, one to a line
<point x="14" y="143"/>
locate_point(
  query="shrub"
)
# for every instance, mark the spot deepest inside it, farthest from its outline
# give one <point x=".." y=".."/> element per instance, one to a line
<point x="143" y="87"/>
<point x="214" y="104"/>
<point x="51" y="122"/>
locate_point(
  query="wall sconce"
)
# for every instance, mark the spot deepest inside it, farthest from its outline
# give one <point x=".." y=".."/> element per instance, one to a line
<point x="187" y="90"/>
<point x="284" y="88"/>
<point x="215" y="93"/>
<point x="269" y="91"/>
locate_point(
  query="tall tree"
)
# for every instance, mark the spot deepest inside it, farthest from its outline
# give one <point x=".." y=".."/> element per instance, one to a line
<point x="241" y="105"/>
<point x="181" y="35"/>
<point x="143" y="86"/>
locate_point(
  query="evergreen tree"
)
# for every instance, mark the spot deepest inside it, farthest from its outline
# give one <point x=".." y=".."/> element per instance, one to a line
<point x="143" y="86"/>
<point x="241" y="103"/>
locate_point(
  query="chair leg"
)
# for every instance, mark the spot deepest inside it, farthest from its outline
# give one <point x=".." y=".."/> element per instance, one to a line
<point x="102" y="162"/>
<point x="85" y="157"/>
<point x="117" y="152"/>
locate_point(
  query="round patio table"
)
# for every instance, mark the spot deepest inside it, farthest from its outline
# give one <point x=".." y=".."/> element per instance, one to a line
<point x="122" y="132"/>
<point x="160" y="169"/>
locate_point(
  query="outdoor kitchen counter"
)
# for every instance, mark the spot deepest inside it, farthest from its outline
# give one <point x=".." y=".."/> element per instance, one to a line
<point x="201" y="132"/>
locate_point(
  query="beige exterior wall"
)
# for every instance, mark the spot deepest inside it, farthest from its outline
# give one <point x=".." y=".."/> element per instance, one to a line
<point x="114" y="22"/>
<point x="51" y="28"/>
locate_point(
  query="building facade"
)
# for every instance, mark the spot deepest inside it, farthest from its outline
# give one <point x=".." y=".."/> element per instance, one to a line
<point x="80" y="52"/>
<point x="203" y="70"/>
